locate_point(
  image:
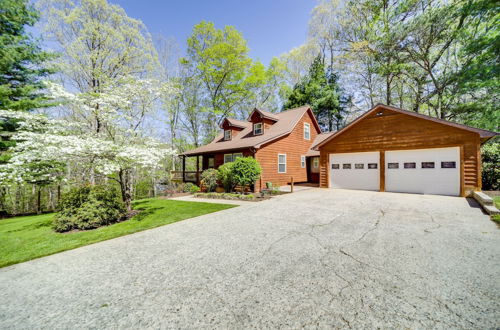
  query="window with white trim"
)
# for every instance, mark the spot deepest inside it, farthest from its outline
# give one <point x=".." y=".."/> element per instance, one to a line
<point x="238" y="155"/>
<point x="281" y="163"/>
<point x="307" y="131"/>
<point x="227" y="134"/>
<point x="315" y="162"/>
<point x="303" y="161"/>
<point x="228" y="158"/>
<point x="257" y="129"/>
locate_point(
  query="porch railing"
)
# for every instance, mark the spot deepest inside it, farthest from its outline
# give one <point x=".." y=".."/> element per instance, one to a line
<point x="189" y="176"/>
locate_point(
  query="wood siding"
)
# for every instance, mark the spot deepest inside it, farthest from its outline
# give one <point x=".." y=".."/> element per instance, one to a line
<point x="294" y="146"/>
<point x="390" y="130"/>
<point x="219" y="157"/>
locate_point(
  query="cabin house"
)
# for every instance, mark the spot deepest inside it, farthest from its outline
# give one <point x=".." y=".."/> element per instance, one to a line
<point x="281" y="143"/>
<point x="385" y="149"/>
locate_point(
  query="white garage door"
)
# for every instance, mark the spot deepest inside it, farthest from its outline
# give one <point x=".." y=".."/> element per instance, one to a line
<point x="360" y="170"/>
<point x="423" y="171"/>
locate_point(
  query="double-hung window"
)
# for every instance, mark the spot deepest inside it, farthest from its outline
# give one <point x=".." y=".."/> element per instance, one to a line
<point x="303" y="161"/>
<point x="257" y="129"/>
<point x="307" y="131"/>
<point x="232" y="157"/>
<point x="227" y="135"/>
<point x="281" y="163"/>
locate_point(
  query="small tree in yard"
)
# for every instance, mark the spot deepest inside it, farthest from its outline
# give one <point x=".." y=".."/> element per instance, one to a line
<point x="209" y="179"/>
<point x="245" y="171"/>
<point x="226" y="176"/>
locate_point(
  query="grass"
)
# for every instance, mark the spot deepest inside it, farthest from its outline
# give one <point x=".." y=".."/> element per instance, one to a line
<point x="29" y="237"/>
<point x="496" y="217"/>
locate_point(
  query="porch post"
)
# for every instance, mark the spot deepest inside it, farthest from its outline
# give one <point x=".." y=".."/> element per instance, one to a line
<point x="198" y="170"/>
<point x="183" y="168"/>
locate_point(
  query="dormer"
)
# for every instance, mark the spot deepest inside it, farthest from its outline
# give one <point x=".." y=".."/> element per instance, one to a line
<point x="232" y="127"/>
<point x="261" y="121"/>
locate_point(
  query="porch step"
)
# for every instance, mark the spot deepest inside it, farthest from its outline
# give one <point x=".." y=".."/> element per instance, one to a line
<point x="482" y="198"/>
<point x="486" y="202"/>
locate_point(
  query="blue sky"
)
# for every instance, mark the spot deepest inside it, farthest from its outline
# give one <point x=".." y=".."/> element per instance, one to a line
<point x="271" y="27"/>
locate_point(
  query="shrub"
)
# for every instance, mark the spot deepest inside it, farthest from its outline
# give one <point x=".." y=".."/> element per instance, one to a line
<point x="209" y="179"/>
<point x="186" y="187"/>
<point x="490" y="154"/>
<point x="226" y="176"/>
<point x="194" y="189"/>
<point x="245" y="171"/>
<point x="225" y="196"/>
<point x="89" y="207"/>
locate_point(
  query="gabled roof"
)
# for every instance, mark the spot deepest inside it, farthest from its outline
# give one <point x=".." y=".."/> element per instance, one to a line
<point x="264" y="114"/>
<point x="285" y="123"/>
<point x="319" y="138"/>
<point x="235" y="123"/>
<point x="483" y="134"/>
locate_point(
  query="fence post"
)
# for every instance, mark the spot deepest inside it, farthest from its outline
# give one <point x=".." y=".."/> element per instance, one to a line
<point x="291" y="187"/>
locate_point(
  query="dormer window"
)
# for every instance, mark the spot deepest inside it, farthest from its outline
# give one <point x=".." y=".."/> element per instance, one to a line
<point x="257" y="129"/>
<point x="227" y="135"/>
<point x="307" y="131"/>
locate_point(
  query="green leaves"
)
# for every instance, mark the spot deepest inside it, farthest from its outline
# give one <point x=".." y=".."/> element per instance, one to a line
<point x="245" y="171"/>
<point x="22" y="62"/>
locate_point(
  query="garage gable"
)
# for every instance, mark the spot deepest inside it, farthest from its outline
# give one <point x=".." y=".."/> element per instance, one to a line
<point x="388" y="127"/>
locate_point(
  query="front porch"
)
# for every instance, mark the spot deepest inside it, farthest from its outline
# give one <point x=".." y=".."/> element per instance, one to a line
<point x="188" y="176"/>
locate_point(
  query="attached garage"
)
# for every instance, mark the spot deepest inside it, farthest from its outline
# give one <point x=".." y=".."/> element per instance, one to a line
<point x="391" y="149"/>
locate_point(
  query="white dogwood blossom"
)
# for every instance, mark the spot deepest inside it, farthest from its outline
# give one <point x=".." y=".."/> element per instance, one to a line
<point x="119" y="147"/>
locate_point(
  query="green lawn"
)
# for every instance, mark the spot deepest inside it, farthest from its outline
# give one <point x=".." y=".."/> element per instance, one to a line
<point x="30" y="237"/>
<point x="497" y="204"/>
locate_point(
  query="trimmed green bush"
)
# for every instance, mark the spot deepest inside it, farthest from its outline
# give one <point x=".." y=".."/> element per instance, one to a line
<point x="89" y="207"/>
<point x="186" y="187"/>
<point x="209" y="179"/>
<point x="490" y="154"/>
<point x="226" y="176"/>
<point x="245" y="171"/>
<point x="194" y="189"/>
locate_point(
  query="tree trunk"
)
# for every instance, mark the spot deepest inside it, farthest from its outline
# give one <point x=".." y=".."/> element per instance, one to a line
<point x="39" y="201"/>
<point x="388" y="90"/>
<point x="126" y="188"/>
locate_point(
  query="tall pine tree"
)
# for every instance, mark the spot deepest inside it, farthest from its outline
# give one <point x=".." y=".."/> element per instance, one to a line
<point x="321" y="91"/>
<point x="21" y="58"/>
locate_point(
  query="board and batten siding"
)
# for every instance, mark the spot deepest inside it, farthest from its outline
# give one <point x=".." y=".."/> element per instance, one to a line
<point x="293" y="145"/>
<point x="392" y="130"/>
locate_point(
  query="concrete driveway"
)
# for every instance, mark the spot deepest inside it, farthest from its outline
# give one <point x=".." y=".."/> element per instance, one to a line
<point x="316" y="259"/>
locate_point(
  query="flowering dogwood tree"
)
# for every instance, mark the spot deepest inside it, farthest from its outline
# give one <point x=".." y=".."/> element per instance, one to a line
<point x="114" y="152"/>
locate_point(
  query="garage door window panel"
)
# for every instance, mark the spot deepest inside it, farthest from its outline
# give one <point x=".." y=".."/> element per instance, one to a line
<point x="346" y="166"/>
<point x="410" y="165"/>
<point x="359" y="166"/>
<point x="392" y="166"/>
<point x="335" y="166"/>
<point x="372" y="166"/>
<point x="428" y="164"/>
<point x="448" y="165"/>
